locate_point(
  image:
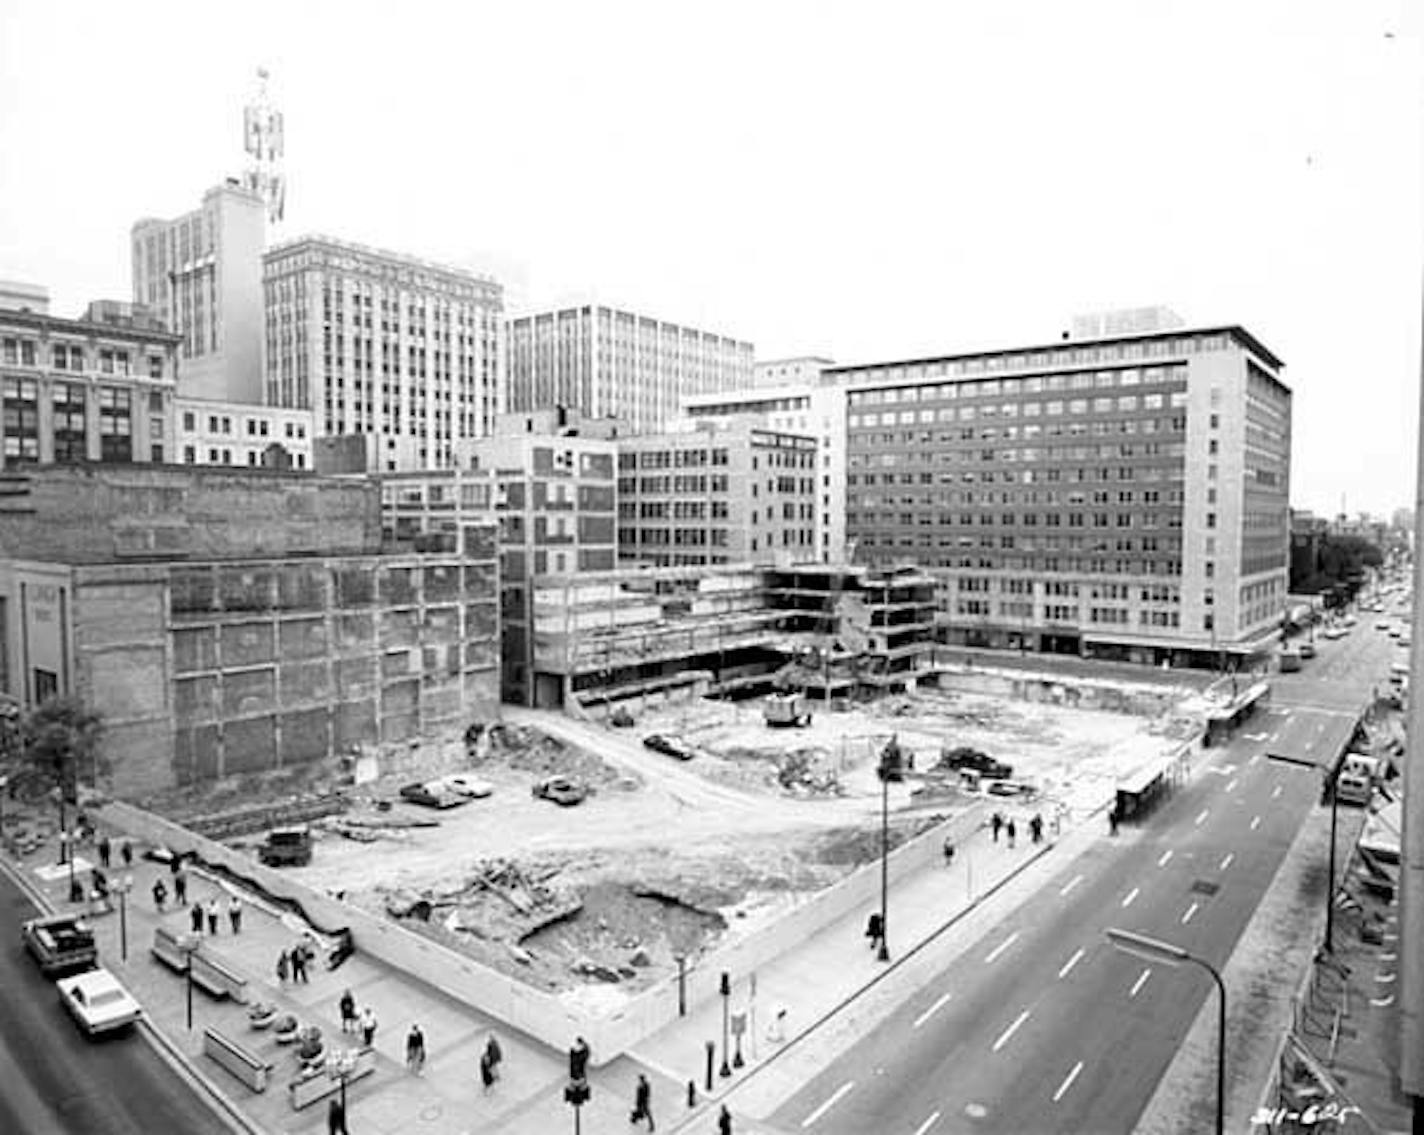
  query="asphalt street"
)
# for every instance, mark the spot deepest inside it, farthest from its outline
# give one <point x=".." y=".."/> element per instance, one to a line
<point x="1042" y="1026"/>
<point x="54" y="1080"/>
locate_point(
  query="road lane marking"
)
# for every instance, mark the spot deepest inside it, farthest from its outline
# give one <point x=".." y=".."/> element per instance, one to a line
<point x="927" y="1124"/>
<point x="1275" y="791"/>
<point x="1067" y="1082"/>
<point x="1231" y="785"/>
<point x="1191" y="910"/>
<point x="1205" y="812"/>
<point x="1008" y="1032"/>
<point x="1001" y="947"/>
<point x="830" y="1103"/>
<point x="1073" y="882"/>
<point x="1140" y="982"/>
<point x="1070" y="963"/>
<point x="932" y="1010"/>
<point x="1255" y="822"/>
<point x="1166" y="855"/>
<point x="1226" y="861"/>
<point x="1131" y="895"/>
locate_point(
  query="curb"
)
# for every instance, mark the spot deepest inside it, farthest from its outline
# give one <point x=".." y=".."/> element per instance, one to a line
<point x="855" y="994"/>
<point x="163" y="1046"/>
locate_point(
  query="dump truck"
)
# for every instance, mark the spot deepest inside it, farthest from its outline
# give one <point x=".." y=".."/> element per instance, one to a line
<point x="786" y="709"/>
<point x="287" y="847"/>
<point x="61" y="943"/>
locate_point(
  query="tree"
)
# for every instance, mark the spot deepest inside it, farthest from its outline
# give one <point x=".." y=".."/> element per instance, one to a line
<point x="61" y="737"/>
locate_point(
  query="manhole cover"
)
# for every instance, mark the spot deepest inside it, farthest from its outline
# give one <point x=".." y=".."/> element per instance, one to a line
<point x="1203" y="887"/>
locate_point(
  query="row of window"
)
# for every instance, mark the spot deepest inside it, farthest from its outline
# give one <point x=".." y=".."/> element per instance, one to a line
<point x="1049" y="408"/>
<point x="73" y="357"/>
<point x="256" y="427"/>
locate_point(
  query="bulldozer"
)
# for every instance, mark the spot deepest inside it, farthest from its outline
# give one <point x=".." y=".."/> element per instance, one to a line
<point x="788" y="709"/>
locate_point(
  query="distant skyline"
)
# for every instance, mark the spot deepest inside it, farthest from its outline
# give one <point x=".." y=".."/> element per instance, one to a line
<point x="864" y="183"/>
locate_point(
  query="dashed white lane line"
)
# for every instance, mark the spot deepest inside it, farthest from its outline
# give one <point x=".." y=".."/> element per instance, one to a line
<point x="932" y="1010"/>
<point x="1070" y="884"/>
<point x="1205" y="812"/>
<point x="1254" y="758"/>
<point x="1166" y="855"/>
<point x="830" y="1103"/>
<point x="1131" y="896"/>
<point x="1226" y="861"/>
<point x="1067" y="1082"/>
<point x="1191" y="910"/>
<point x="1070" y="963"/>
<point x="927" y="1124"/>
<point x="1255" y="822"/>
<point x="1230" y="785"/>
<point x="1008" y="1032"/>
<point x="1275" y="791"/>
<point x="1140" y="982"/>
<point x="1001" y="947"/>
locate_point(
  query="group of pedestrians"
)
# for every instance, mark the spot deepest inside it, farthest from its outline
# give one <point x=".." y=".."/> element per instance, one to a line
<point x="364" y="1022"/>
<point x="106" y="851"/>
<point x="293" y="964"/>
<point x="1008" y="827"/>
<point x="490" y="1060"/>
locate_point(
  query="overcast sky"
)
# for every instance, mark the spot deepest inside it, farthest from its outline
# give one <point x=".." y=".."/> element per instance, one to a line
<point x="864" y="181"/>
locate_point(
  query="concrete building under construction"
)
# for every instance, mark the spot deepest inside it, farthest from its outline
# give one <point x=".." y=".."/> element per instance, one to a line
<point x="728" y="630"/>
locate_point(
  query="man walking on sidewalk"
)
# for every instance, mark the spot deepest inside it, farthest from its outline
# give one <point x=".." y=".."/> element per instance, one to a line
<point x="234" y="914"/>
<point x="643" y="1103"/>
<point x="724" y="1121"/>
<point x="213" y="913"/>
<point x="415" y="1049"/>
<point x="1012" y="831"/>
<point x="195" y="916"/>
<point x="180" y="887"/>
<point x="996" y="822"/>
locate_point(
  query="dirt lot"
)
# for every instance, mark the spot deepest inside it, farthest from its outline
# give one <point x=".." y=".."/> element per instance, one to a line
<point x="669" y="857"/>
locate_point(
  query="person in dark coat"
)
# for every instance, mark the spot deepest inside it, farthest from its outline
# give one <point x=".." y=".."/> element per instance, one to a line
<point x="348" y="1012"/>
<point x="724" y="1121"/>
<point x="126" y="852"/>
<point x="160" y="894"/>
<point x="105" y="850"/>
<point x="996" y="823"/>
<point x="643" y="1103"/>
<point x="180" y="887"/>
<point x="486" y="1070"/>
<point x="415" y="1049"/>
<point x="1011" y="830"/>
<point x="495" y="1055"/>
<point x="336" y="1118"/>
<point x="195" y="914"/>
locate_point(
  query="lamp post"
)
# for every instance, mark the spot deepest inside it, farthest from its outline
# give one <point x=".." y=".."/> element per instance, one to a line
<point x="889" y="769"/>
<point x="189" y="945"/>
<point x="123" y="885"/>
<point x="1286" y="759"/>
<point x="726" y="991"/>
<point x="1153" y="950"/>
<point x="4" y="789"/>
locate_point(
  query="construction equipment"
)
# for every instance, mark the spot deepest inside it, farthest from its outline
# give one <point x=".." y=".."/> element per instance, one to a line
<point x="286" y="847"/>
<point x="788" y="709"/>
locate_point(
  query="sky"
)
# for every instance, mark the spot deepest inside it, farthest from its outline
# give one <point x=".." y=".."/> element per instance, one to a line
<point x="860" y="181"/>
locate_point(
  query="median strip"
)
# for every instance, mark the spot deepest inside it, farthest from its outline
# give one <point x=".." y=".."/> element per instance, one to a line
<point x="1008" y="1032"/>
<point x="830" y="1103"/>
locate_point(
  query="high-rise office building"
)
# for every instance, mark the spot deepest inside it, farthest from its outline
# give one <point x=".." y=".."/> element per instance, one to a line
<point x="610" y="363"/>
<point x="1123" y="497"/>
<point x="401" y="351"/>
<point x="201" y="273"/>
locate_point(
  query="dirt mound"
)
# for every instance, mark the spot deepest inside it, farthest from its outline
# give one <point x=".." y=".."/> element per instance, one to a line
<point x="531" y="750"/>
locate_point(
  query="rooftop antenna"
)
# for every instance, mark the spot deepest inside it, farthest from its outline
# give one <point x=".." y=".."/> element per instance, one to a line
<point x="262" y="139"/>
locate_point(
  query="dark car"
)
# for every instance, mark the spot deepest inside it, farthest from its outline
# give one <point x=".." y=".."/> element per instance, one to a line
<point x="975" y="761"/>
<point x="668" y="747"/>
<point x="561" y="790"/>
<point x="428" y="797"/>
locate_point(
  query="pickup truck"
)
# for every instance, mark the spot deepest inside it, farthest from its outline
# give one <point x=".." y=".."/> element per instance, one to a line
<point x="61" y="943"/>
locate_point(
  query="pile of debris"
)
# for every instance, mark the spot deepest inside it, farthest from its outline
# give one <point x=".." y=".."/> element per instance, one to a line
<point x="806" y="772"/>
<point x="498" y="899"/>
<point x="531" y="750"/>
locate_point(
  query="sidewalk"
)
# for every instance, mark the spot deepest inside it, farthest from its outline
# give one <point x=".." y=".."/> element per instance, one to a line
<point x="932" y="913"/>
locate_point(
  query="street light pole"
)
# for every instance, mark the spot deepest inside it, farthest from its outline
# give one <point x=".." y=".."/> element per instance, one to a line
<point x="1153" y="950"/>
<point x="726" y="990"/>
<point x="884" y="954"/>
<point x="123" y="886"/>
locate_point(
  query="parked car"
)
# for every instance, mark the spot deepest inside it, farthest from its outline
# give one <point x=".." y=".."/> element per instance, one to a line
<point x="464" y="784"/>
<point x="561" y="790"/>
<point x="98" y="1002"/>
<point x="972" y="759"/>
<point x="1012" y="788"/>
<point x="430" y="796"/>
<point x="668" y="747"/>
<point x="1307" y="649"/>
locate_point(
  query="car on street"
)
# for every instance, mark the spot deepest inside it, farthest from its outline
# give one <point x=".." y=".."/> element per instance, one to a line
<point x="429" y="795"/>
<point x="973" y="760"/>
<point x="668" y="746"/>
<point x="463" y="784"/>
<point x="61" y="943"/>
<point x="564" y="791"/>
<point x="98" y="1002"/>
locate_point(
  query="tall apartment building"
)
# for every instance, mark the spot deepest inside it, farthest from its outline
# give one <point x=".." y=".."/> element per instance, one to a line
<point x="817" y="410"/>
<point x="402" y="351"/>
<point x="722" y="492"/>
<point x="202" y="274"/>
<point x="77" y="390"/>
<point x="610" y="363"/>
<point x="239" y="433"/>
<point x="1124" y="497"/>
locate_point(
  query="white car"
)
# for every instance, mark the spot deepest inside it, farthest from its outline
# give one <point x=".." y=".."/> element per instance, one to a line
<point x="464" y="784"/>
<point x="98" y="1002"/>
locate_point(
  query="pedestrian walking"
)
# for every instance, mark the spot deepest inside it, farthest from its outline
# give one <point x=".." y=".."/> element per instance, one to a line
<point x="180" y="887"/>
<point x="234" y="914"/>
<point x="494" y="1053"/>
<point x="578" y="1059"/>
<point x="643" y="1103"/>
<point x="175" y="863"/>
<point x="348" y="1012"/>
<point x="724" y="1121"/>
<point x="336" y="1117"/>
<point x="105" y="850"/>
<point x="160" y="894"/>
<point x="1035" y="828"/>
<point x="126" y="852"/>
<point x="368" y="1026"/>
<point x="996" y="824"/>
<point x="948" y="852"/>
<point x="283" y="968"/>
<point x="1112" y="821"/>
<point x="486" y="1071"/>
<point x="874" y="930"/>
<point x="415" y="1049"/>
<point x="1011" y="830"/>
<point x="195" y="915"/>
<point x="213" y="914"/>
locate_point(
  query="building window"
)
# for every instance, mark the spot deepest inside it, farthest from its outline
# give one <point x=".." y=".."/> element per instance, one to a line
<point x="115" y="424"/>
